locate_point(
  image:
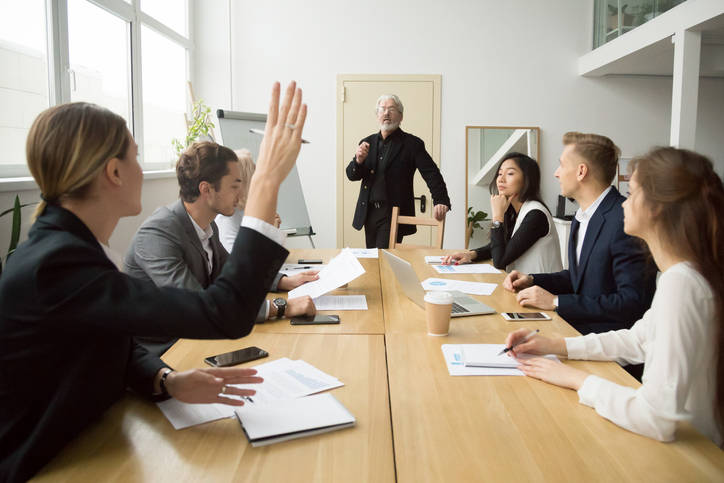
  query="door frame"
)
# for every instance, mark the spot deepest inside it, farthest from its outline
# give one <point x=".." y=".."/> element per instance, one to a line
<point x="342" y="160"/>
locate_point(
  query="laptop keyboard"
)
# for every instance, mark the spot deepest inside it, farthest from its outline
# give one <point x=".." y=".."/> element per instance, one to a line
<point x="459" y="309"/>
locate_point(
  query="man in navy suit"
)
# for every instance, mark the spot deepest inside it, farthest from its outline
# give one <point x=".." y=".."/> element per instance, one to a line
<point x="385" y="162"/>
<point x="610" y="283"/>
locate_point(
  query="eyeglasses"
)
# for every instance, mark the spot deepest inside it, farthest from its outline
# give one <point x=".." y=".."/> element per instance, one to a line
<point x="391" y="110"/>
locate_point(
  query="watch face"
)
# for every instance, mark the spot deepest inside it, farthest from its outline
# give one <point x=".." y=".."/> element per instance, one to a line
<point x="279" y="302"/>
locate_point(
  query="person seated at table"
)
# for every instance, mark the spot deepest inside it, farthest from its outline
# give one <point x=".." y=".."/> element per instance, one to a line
<point x="677" y="207"/>
<point x="69" y="315"/>
<point x="229" y="225"/>
<point x="522" y="236"/>
<point x="179" y="246"/>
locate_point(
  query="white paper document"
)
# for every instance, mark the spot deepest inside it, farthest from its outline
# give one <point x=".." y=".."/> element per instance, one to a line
<point x="341" y="302"/>
<point x="453" y="354"/>
<point x="284" y="420"/>
<point x="343" y="269"/>
<point x="474" y="288"/>
<point x="283" y="379"/>
<point x="365" y="252"/>
<point x="471" y="268"/>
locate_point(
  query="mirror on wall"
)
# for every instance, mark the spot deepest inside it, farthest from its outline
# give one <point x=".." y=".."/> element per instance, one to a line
<point x="485" y="147"/>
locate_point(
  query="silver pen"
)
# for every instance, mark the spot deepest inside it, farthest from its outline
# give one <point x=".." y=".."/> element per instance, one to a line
<point x="508" y="349"/>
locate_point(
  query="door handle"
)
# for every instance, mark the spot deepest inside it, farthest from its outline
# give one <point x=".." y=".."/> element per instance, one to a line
<point x="423" y="203"/>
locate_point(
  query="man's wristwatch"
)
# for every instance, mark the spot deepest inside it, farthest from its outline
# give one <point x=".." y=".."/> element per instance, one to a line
<point x="496" y="224"/>
<point x="281" y="305"/>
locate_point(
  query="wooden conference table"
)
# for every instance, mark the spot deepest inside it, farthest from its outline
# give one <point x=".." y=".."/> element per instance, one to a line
<point x="414" y="421"/>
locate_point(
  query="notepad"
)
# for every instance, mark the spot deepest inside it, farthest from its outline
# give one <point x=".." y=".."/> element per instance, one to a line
<point x="486" y="355"/>
<point x="295" y="418"/>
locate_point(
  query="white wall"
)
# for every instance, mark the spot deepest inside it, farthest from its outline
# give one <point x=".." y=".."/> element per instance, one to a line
<point x="502" y="63"/>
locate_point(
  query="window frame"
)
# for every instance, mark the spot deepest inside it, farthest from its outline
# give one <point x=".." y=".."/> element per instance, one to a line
<point x="59" y="71"/>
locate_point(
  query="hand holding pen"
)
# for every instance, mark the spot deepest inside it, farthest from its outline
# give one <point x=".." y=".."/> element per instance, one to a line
<point x="518" y="342"/>
<point x="522" y="341"/>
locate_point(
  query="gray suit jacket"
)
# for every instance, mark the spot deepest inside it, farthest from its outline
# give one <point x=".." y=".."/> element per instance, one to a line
<point x="167" y="251"/>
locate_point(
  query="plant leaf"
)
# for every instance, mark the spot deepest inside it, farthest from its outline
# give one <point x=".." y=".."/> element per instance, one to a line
<point x="15" y="234"/>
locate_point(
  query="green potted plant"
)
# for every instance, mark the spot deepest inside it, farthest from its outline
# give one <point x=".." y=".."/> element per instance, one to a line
<point x="474" y="219"/>
<point x="201" y="127"/>
<point x="15" y="230"/>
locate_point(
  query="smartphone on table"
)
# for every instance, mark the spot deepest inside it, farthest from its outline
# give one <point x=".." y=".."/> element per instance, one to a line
<point x="236" y="357"/>
<point x="525" y="316"/>
<point x="315" y="320"/>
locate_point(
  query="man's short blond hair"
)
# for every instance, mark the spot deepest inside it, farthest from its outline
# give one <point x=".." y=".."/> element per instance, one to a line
<point x="598" y="152"/>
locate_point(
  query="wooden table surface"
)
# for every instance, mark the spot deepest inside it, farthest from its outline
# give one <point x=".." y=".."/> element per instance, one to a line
<point x="415" y="422"/>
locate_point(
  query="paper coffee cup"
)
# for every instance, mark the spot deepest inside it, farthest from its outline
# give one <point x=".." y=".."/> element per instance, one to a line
<point x="438" y="307"/>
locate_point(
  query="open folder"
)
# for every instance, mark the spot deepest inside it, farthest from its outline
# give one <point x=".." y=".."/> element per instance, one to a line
<point x="294" y="418"/>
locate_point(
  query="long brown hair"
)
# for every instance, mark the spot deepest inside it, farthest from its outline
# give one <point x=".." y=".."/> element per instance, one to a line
<point x="69" y="145"/>
<point x="687" y="201"/>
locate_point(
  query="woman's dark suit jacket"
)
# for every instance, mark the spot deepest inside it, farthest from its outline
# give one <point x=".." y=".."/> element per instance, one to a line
<point x="66" y="320"/>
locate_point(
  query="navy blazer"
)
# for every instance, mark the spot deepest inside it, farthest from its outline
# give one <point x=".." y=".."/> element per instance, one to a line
<point x="66" y="325"/>
<point x="615" y="281"/>
<point x="407" y="154"/>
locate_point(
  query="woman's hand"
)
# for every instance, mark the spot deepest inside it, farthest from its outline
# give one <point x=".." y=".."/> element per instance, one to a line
<point x="553" y="372"/>
<point x="460" y="258"/>
<point x="499" y="205"/>
<point x="204" y="386"/>
<point x="537" y="345"/>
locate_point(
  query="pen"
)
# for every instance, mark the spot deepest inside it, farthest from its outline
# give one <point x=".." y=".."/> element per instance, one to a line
<point x="259" y="131"/>
<point x="298" y="268"/>
<point x="507" y="349"/>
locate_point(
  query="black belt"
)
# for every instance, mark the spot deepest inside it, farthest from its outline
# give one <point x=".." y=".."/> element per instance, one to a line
<point x="378" y="204"/>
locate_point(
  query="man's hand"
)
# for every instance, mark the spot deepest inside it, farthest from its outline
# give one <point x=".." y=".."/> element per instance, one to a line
<point x="439" y="212"/>
<point x="517" y="281"/>
<point x="204" y="386"/>
<point x="553" y="372"/>
<point x="536" y="297"/>
<point x="290" y="283"/>
<point x="300" y="306"/>
<point x="361" y="154"/>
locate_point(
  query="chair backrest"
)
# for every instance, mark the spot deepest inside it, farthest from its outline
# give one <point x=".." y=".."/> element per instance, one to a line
<point x="414" y="220"/>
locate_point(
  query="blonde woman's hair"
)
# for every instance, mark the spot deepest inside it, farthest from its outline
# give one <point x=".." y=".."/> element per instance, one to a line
<point x="246" y="168"/>
<point x="69" y="145"/>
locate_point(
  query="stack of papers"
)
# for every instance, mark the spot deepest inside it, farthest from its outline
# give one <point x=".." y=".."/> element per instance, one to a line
<point x="292" y="419"/>
<point x="473" y="268"/>
<point x="447" y="285"/>
<point x="284" y="379"/>
<point x="343" y="269"/>
<point x="485" y="355"/>
<point x="341" y="302"/>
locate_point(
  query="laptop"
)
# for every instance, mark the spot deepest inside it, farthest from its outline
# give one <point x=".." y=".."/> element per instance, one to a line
<point x="462" y="304"/>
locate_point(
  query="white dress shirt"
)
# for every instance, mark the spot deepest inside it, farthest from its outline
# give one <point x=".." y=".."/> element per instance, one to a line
<point x="205" y="236"/>
<point x="676" y="339"/>
<point x="583" y="218"/>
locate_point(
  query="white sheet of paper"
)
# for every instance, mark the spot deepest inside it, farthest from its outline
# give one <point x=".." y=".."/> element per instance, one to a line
<point x="343" y="269"/>
<point x="283" y="379"/>
<point x="446" y="285"/>
<point x="365" y="252"/>
<point x="452" y="354"/>
<point x="472" y="268"/>
<point x="341" y="302"/>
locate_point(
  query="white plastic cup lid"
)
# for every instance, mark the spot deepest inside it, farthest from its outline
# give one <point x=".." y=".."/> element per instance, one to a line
<point x="439" y="298"/>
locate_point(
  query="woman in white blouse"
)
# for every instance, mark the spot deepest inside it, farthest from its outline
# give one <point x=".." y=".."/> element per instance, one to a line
<point x="676" y="205"/>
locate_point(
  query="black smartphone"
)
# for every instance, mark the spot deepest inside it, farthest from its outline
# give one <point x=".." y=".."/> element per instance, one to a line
<point x="315" y="320"/>
<point x="309" y="260"/>
<point x="236" y="357"/>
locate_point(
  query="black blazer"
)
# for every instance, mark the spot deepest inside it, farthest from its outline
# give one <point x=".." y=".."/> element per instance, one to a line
<point x="614" y="284"/>
<point x="66" y="351"/>
<point x="407" y="155"/>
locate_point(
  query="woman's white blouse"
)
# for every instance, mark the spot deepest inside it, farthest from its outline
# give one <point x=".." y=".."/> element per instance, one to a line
<point x="676" y="340"/>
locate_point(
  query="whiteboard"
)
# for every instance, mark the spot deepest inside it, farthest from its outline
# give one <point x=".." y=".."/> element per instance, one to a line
<point x="291" y="206"/>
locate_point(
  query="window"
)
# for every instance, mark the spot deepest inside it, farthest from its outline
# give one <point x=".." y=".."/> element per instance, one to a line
<point x="130" y="56"/>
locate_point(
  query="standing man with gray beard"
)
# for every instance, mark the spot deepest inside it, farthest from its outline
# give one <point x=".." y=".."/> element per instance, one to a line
<point x="385" y="162"/>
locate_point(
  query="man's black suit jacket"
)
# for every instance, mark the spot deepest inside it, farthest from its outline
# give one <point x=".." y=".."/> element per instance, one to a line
<point x="66" y="324"/>
<point x="406" y="155"/>
<point x="614" y="283"/>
